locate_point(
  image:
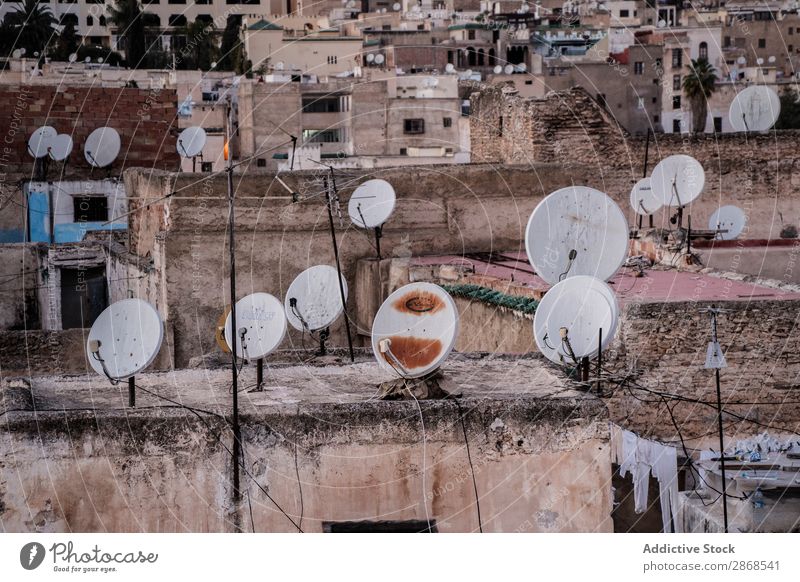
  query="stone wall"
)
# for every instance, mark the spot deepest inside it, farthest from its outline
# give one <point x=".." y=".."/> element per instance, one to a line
<point x="19" y="266"/>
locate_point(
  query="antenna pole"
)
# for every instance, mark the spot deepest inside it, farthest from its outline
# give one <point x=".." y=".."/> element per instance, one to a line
<point x="330" y="192"/>
<point x="599" y="358"/>
<point x="646" y="154"/>
<point x="294" y="148"/>
<point x="132" y="391"/>
<point x="259" y="374"/>
<point x="232" y="249"/>
<point x="713" y="312"/>
<point x="378" y="235"/>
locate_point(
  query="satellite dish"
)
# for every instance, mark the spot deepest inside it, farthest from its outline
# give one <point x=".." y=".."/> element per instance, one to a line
<point x="261" y="326"/>
<point x="731" y="219"/>
<point x="415" y="330"/>
<point x="73" y="57"/>
<point x="87" y="60"/>
<point x="214" y="65"/>
<point x="370" y="57"/>
<point x="191" y="142"/>
<point x="662" y="23"/>
<point x="17" y="53"/>
<point x="522" y="67"/>
<point x="508" y="69"/>
<point x="759" y="61"/>
<point x="755" y="108"/>
<point x="643" y="200"/>
<point x="449" y="67"/>
<point x="771" y="59"/>
<point x="124" y="339"/>
<point x="497" y="69"/>
<point x="379" y="59"/>
<point x="741" y="60"/>
<point x="279" y="66"/>
<point x="580" y="306"/>
<point x="396" y="6"/>
<point x="576" y="231"/>
<point x="313" y="300"/>
<point x="41" y="140"/>
<point x="102" y="147"/>
<point x="371" y="204"/>
<point x="678" y="180"/>
<point x="60" y="147"/>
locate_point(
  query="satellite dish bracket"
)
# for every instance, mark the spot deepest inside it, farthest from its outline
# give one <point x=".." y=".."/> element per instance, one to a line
<point x="324" y="334"/>
<point x="94" y="347"/>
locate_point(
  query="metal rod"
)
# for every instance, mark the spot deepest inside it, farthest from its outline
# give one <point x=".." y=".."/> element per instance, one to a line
<point x="378" y="235"/>
<point x="689" y="235"/>
<point x="294" y="148"/>
<point x="599" y="357"/>
<point x="232" y="249"/>
<point x="719" y="427"/>
<point x="259" y="373"/>
<point x="329" y="204"/>
<point x="132" y="391"/>
<point x="584" y="369"/>
<point x="644" y="173"/>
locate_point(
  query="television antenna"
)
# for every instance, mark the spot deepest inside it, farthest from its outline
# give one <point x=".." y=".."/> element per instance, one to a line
<point x="191" y="142"/>
<point x="261" y="329"/>
<point x="729" y="222"/>
<point x="576" y="231"/>
<point x="755" y="108"/>
<point x="125" y="339"/>
<point x="102" y="147"/>
<point x="371" y="205"/>
<point x="575" y="321"/>
<point x="415" y="330"/>
<point x="313" y="302"/>
<point x="677" y="181"/>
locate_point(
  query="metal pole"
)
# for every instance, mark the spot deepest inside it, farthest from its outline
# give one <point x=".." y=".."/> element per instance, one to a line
<point x="259" y="373"/>
<point x="232" y="249"/>
<point x="378" y="235"/>
<point x="644" y="173"/>
<point x="719" y="427"/>
<point x="329" y="203"/>
<point x="132" y="391"/>
<point x="599" y="357"/>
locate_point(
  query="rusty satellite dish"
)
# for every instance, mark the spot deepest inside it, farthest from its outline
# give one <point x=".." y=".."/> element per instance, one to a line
<point x="313" y="300"/>
<point x="415" y="330"/>
<point x="371" y="204"/>
<point x="643" y="200"/>
<point x="576" y="231"/>
<point x="261" y="326"/>
<point x="124" y="339"/>
<point x="678" y="180"/>
<point x="569" y="319"/>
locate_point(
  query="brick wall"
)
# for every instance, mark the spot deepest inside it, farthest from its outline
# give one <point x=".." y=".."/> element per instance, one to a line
<point x="145" y="119"/>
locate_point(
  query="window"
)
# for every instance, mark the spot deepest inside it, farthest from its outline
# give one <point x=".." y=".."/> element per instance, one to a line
<point x="624" y="13"/>
<point x="412" y="526"/>
<point x="89" y="21"/>
<point x="676" y="101"/>
<point x="655" y="100"/>
<point x="413" y="126"/>
<point x="703" y="51"/>
<point x="203" y="2"/>
<point x="638" y="68"/>
<point x="656" y="119"/>
<point x="177" y="20"/>
<point x="717" y="125"/>
<point x="84" y="296"/>
<point x="762" y="43"/>
<point x="261" y="162"/>
<point x="726" y="42"/>
<point x="676" y="82"/>
<point x="676" y="126"/>
<point x="447" y="122"/>
<point x="677" y="58"/>
<point x="790" y="48"/>
<point x="322" y="135"/>
<point x="321" y="105"/>
<point x="470" y="35"/>
<point x="206" y="166"/>
<point x="791" y="31"/>
<point x="403" y="151"/>
<point x="90" y="208"/>
<point x="332" y="59"/>
<point x="176" y="1"/>
<point x="102" y="21"/>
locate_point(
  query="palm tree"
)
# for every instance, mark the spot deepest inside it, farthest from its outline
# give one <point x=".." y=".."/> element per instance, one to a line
<point x="126" y="15"/>
<point x="33" y="26"/>
<point x="699" y="85"/>
<point x="201" y="46"/>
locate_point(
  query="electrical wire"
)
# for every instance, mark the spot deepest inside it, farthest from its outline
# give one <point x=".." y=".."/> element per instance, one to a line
<point x="471" y="467"/>
<point x="424" y="452"/>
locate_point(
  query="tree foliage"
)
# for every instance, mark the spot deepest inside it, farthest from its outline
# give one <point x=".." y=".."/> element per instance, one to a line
<point x="31" y="26"/>
<point x="698" y="86"/>
<point x="127" y="16"/>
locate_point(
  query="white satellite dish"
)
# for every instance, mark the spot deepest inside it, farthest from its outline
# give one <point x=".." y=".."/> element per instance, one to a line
<point x="449" y="67"/>
<point x="396" y="6"/>
<point x="313" y="300"/>
<point x="576" y="231"/>
<point x="191" y="142"/>
<point x="17" y="53"/>
<point x="522" y="67"/>
<point x="497" y="69"/>
<point x="279" y="66"/>
<point x="731" y="219"/>
<point x="124" y="339"/>
<point x="379" y="59"/>
<point x="643" y="200"/>
<point x="755" y="108"/>
<point x="60" y="147"/>
<point x="415" y="330"/>
<point x="570" y="317"/>
<point x="73" y="57"/>
<point x="370" y="57"/>
<point x="759" y="61"/>
<point x="41" y="140"/>
<point x="678" y="180"/>
<point x="508" y="69"/>
<point x="371" y="204"/>
<point x="741" y="60"/>
<point x="261" y="326"/>
<point x="771" y="59"/>
<point x="87" y="60"/>
<point x="102" y="147"/>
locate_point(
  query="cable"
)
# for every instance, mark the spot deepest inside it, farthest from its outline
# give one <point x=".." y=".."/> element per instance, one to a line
<point x="424" y="451"/>
<point x="299" y="483"/>
<point x="471" y="467"/>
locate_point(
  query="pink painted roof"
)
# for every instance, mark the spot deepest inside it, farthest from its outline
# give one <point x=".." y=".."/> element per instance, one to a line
<point x="655" y="286"/>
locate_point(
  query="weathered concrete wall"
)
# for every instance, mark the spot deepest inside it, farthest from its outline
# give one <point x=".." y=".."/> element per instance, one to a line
<point x="541" y="463"/>
<point x="19" y="265"/>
